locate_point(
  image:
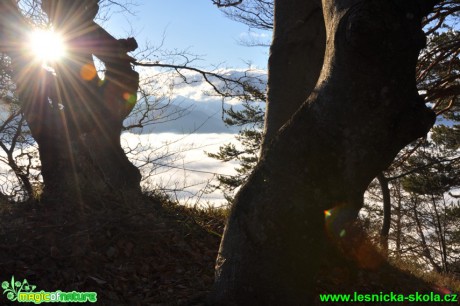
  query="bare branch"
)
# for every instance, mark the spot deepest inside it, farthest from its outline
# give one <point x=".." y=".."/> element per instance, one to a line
<point x="210" y="77"/>
<point x="227" y="3"/>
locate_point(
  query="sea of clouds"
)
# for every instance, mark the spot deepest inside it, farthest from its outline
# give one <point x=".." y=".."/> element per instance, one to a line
<point x="185" y="125"/>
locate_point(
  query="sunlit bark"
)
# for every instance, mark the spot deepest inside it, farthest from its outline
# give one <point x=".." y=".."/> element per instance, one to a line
<point x="296" y="58"/>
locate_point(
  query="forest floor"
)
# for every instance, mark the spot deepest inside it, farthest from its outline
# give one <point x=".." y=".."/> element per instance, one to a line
<point x="157" y="253"/>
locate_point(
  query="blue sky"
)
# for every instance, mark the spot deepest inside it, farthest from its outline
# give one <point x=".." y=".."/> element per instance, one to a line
<point x="195" y="25"/>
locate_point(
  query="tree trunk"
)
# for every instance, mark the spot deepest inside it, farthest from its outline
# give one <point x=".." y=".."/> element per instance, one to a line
<point x="425" y="249"/>
<point x="398" y="230"/>
<point x="75" y="117"/>
<point x="440" y="232"/>
<point x="364" y="109"/>
<point x="296" y="58"/>
<point x="384" y="232"/>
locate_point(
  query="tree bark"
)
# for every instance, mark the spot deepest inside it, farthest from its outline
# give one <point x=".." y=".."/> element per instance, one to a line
<point x="296" y="58"/>
<point x="364" y="109"/>
<point x="75" y="117"/>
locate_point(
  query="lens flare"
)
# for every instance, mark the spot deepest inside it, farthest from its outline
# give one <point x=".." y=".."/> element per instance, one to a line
<point x="88" y="72"/>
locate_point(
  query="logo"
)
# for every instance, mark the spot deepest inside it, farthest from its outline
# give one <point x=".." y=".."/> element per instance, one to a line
<point x="23" y="292"/>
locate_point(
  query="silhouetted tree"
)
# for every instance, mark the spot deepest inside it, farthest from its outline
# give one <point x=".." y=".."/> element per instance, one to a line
<point x="364" y="109"/>
<point x="75" y="117"/>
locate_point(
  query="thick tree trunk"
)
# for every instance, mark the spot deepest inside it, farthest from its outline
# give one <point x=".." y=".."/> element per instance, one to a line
<point x="75" y="117"/>
<point x="364" y="109"/>
<point x="296" y="58"/>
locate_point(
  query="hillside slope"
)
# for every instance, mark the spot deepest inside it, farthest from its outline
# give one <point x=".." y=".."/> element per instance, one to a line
<point x="158" y="253"/>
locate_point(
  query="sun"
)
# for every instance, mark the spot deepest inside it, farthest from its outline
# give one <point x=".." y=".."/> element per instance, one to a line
<point x="46" y="46"/>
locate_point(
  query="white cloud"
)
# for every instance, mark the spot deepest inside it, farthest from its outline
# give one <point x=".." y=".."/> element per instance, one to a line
<point x="185" y="170"/>
<point x="194" y="98"/>
<point x="196" y="88"/>
<point x="255" y="35"/>
<point x="186" y="166"/>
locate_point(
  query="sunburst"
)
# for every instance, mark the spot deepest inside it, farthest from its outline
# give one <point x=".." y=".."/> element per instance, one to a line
<point x="46" y="46"/>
